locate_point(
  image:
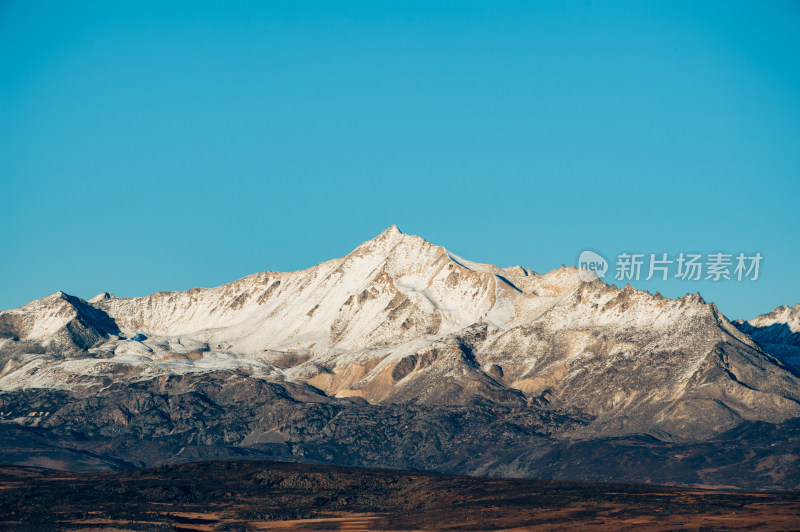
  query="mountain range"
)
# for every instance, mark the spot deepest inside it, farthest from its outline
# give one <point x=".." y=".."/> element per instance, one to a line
<point x="403" y="354"/>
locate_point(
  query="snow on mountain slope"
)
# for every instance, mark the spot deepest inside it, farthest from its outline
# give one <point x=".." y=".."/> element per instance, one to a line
<point x="57" y="319"/>
<point x="778" y="332"/>
<point x="400" y="320"/>
<point x="389" y="290"/>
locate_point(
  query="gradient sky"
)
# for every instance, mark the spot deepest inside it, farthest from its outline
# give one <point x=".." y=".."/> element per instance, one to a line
<point x="149" y="146"/>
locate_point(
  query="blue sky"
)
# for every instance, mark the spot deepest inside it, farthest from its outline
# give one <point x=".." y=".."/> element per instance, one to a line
<point x="148" y="147"/>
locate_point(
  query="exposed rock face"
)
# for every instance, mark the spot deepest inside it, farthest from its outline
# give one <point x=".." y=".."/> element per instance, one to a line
<point x="778" y="332"/>
<point x="398" y="334"/>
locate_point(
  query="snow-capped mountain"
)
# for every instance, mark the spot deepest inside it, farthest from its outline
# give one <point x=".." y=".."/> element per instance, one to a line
<point x="402" y="320"/>
<point x="778" y="332"/>
<point x="398" y="323"/>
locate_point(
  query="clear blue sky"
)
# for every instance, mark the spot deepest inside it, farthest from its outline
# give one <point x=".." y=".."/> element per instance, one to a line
<point x="150" y="146"/>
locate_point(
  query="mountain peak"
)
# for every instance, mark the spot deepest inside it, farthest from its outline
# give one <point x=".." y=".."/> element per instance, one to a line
<point x="390" y="233"/>
<point x="101" y="296"/>
<point x="55" y="295"/>
<point x="388" y="240"/>
<point x="392" y="230"/>
<point x="778" y="333"/>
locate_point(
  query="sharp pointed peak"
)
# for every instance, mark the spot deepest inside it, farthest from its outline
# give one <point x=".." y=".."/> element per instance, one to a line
<point x="393" y="234"/>
<point x="390" y="232"/>
<point x="60" y="297"/>
<point x="387" y="240"/>
<point x="393" y="229"/>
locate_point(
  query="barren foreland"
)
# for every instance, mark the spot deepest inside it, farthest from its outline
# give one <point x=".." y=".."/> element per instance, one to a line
<point x="259" y="495"/>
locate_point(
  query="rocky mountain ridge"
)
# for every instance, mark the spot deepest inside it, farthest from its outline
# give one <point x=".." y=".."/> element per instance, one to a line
<point x="778" y="333"/>
<point x="403" y="330"/>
